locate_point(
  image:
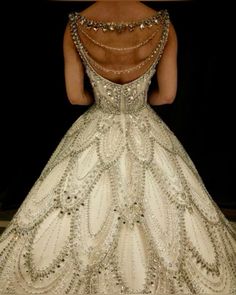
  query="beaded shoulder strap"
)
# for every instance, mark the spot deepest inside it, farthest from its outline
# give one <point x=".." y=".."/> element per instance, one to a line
<point x="158" y="51"/>
<point x="164" y="36"/>
<point x="73" y="19"/>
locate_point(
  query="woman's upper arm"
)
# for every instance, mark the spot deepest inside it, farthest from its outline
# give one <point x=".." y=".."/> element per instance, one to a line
<point x="167" y="68"/>
<point x="74" y="70"/>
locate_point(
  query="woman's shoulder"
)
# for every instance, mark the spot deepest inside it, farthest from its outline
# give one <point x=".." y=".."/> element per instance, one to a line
<point x="138" y="11"/>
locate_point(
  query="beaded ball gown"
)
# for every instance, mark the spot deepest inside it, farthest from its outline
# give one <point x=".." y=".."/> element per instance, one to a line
<point x="119" y="208"/>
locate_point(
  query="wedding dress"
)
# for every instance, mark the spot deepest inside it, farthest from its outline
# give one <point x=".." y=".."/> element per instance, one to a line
<point x="119" y="208"/>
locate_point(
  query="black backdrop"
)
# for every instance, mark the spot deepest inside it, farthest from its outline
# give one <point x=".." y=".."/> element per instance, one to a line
<point x="35" y="112"/>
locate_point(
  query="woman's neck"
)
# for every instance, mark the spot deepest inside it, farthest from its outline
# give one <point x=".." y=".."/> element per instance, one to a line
<point x="117" y="4"/>
<point x="118" y="10"/>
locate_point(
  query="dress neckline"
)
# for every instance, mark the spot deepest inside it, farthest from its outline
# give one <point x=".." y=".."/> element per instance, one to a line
<point x="121" y="84"/>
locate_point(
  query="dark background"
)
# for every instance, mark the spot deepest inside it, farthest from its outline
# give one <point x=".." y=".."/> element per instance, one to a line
<point x="35" y="112"/>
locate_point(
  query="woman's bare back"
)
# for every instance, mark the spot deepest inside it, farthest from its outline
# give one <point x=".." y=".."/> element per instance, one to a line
<point x="117" y="60"/>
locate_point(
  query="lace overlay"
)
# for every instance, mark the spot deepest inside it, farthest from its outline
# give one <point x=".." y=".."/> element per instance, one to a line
<point x="119" y="209"/>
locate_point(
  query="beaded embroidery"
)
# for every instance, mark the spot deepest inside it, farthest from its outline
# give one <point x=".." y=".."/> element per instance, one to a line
<point x="119" y="27"/>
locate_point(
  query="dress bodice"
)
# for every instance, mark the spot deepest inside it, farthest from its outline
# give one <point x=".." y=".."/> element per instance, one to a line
<point x="113" y="97"/>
